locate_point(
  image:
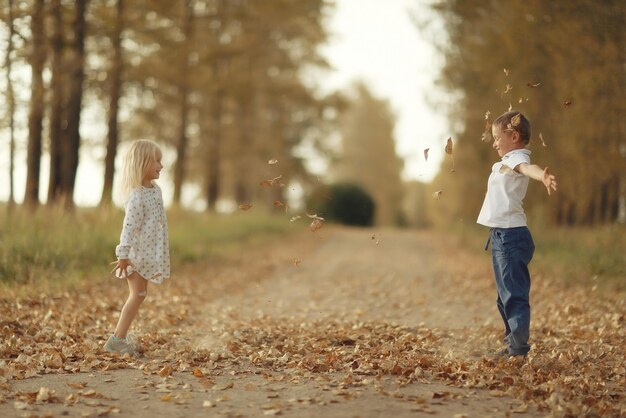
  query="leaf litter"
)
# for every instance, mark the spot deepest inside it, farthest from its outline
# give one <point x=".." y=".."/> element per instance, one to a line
<point x="577" y="366"/>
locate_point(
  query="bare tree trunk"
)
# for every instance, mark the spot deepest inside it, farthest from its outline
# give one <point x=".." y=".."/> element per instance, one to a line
<point x="56" y="111"/>
<point x="115" y="75"/>
<point x="181" y="146"/>
<point x="72" y="143"/>
<point x="36" y="113"/>
<point x="621" y="200"/>
<point x="213" y="166"/>
<point x="8" y="63"/>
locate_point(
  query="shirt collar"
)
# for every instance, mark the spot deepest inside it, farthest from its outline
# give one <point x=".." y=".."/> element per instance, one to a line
<point x="516" y="151"/>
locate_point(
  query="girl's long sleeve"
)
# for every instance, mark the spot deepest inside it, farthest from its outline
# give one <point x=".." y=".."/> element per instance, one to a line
<point x="133" y="221"/>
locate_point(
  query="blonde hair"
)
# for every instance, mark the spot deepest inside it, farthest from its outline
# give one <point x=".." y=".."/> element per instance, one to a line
<point x="136" y="161"/>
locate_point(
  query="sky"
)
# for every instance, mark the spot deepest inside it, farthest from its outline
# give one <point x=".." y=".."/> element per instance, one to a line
<point x="374" y="41"/>
<point x="377" y="42"/>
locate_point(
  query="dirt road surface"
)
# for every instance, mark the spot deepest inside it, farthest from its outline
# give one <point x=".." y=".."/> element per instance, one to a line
<point x="337" y="323"/>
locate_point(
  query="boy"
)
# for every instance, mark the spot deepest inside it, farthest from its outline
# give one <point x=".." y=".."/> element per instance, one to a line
<point x="512" y="245"/>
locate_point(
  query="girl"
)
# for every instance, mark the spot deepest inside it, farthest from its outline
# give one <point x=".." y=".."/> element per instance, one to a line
<point x="143" y="252"/>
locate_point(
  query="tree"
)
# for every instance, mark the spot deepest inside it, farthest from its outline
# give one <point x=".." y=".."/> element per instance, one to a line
<point x="368" y="156"/>
<point x="37" y="103"/>
<point x="10" y="94"/>
<point x="115" y="92"/>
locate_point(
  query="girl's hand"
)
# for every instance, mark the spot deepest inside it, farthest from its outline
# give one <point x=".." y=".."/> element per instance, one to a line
<point x="549" y="180"/>
<point x="121" y="265"/>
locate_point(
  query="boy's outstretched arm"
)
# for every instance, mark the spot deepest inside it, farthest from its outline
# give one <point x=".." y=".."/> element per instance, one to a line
<point x="535" y="172"/>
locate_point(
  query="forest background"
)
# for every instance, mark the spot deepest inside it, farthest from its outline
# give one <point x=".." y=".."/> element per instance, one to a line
<point x="225" y="87"/>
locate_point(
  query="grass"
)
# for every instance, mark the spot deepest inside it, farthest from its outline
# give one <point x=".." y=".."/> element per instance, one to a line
<point x="58" y="249"/>
<point x="575" y="256"/>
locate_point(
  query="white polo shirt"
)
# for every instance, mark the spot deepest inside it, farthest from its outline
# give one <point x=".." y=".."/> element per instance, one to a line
<point x="506" y="190"/>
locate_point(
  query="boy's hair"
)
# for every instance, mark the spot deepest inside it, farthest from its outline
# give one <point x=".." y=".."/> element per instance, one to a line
<point x="139" y="155"/>
<point x="514" y="121"/>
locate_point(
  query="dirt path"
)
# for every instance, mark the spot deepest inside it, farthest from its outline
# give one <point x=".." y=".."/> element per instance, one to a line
<point x="367" y="323"/>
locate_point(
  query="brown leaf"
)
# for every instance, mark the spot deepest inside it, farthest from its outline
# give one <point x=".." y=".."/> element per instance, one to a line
<point x="449" y="146"/>
<point x="533" y="85"/>
<point x="437" y="194"/>
<point x="245" y="207"/>
<point x="426" y="154"/>
<point x="272" y="162"/>
<point x="316" y="224"/>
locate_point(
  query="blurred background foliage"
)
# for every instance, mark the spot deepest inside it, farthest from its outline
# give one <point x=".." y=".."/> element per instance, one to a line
<point x="226" y="86"/>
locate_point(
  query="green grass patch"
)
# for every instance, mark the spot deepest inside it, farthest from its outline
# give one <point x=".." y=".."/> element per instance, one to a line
<point x="65" y="249"/>
<point x="589" y="256"/>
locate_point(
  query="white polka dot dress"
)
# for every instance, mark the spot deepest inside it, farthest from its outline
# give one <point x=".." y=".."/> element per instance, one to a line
<point x="144" y="238"/>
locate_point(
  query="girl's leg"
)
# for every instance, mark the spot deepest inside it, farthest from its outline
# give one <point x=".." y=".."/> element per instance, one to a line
<point x="137" y="292"/>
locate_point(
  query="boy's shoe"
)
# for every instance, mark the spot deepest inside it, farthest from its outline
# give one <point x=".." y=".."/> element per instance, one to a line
<point x="512" y="358"/>
<point x="119" y="346"/>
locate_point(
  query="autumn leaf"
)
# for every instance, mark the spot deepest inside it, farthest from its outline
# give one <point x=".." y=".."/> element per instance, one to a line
<point x="295" y="218"/>
<point x="296" y="262"/>
<point x="533" y="85"/>
<point x="507" y="89"/>
<point x="426" y="154"/>
<point x="272" y="182"/>
<point x="278" y="204"/>
<point x="506" y="72"/>
<point x="516" y="120"/>
<point x="245" y="207"/>
<point x="567" y="104"/>
<point x="449" y="146"/>
<point x="272" y="162"/>
<point x="437" y="194"/>
<point x="316" y="224"/>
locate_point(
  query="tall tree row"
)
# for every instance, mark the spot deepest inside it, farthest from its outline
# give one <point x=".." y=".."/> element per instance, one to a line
<point x="368" y="156"/>
<point x="562" y="64"/>
<point x="221" y="84"/>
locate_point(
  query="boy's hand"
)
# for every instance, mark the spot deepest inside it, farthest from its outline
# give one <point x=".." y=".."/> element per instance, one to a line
<point x="121" y="265"/>
<point x="549" y="180"/>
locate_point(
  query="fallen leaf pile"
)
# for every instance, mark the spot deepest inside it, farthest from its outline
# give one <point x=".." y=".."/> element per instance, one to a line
<point x="577" y="366"/>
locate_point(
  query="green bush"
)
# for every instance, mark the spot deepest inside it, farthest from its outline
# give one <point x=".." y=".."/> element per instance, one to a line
<point x="345" y="203"/>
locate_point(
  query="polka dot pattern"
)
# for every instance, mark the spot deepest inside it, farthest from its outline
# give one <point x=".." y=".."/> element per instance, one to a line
<point x="144" y="238"/>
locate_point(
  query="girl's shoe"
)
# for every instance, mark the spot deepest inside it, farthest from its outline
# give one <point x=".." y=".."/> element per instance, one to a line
<point x="114" y="345"/>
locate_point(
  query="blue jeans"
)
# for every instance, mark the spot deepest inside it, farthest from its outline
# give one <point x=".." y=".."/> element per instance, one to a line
<point x="511" y="250"/>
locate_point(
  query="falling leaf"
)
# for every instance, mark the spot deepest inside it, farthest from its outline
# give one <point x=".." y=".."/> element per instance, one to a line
<point x="245" y="207"/>
<point x="506" y="72"/>
<point x="272" y="182"/>
<point x="272" y="162"/>
<point x="295" y="218"/>
<point x="487" y="113"/>
<point x="296" y="262"/>
<point x="510" y="107"/>
<point x="314" y="216"/>
<point x="508" y="88"/>
<point x="278" y="204"/>
<point x="437" y="194"/>
<point x="426" y="154"/>
<point x="504" y="169"/>
<point x="567" y="104"/>
<point x="520" y="100"/>
<point x="533" y="85"/>
<point x="449" y="146"/>
<point x="316" y="224"/>
<point x="541" y="138"/>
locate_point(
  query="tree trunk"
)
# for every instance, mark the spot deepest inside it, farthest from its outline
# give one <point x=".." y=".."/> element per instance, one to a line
<point x="56" y="112"/>
<point x="213" y="167"/>
<point x="36" y="113"/>
<point x="8" y="63"/>
<point x="181" y="145"/>
<point x="115" y="75"/>
<point x="74" y="106"/>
